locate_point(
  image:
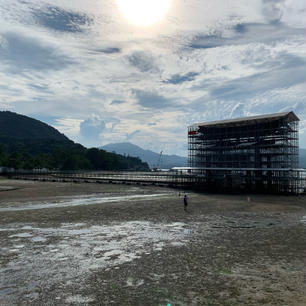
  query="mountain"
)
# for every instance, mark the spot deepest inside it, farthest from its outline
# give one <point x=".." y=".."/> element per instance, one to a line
<point x="19" y="132"/>
<point x="148" y="156"/>
<point x="27" y="143"/>
<point x="23" y="127"/>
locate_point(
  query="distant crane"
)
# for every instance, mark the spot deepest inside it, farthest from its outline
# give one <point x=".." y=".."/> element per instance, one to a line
<point x="159" y="162"/>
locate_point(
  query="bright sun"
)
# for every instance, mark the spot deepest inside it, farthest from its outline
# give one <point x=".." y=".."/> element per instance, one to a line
<point x="143" y="12"/>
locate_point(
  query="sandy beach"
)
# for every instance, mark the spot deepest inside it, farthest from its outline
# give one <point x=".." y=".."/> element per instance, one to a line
<point x="104" y="244"/>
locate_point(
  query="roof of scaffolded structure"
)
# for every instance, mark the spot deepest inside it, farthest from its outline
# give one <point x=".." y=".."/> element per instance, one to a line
<point x="291" y="116"/>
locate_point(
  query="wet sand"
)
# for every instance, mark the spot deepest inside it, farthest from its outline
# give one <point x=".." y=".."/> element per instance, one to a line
<point x="103" y="244"/>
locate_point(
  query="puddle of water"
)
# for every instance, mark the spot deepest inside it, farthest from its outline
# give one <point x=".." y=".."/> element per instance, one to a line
<point x="22" y="235"/>
<point x="187" y="231"/>
<point x="6" y="229"/>
<point x="176" y="224"/>
<point x="20" y="246"/>
<point x="6" y="290"/>
<point x="159" y="246"/>
<point x="69" y="225"/>
<point x="39" y="239"/>
<point x="82" y="201"/>
<point x="177" y="243"/>
<point x="112" y="253"/>
<point x="5" y="188"/>
<point x="134" y="282"/>
<point x="27" y="227"/>
<point x="79" y="299"/>
<point x="79" y="231"/>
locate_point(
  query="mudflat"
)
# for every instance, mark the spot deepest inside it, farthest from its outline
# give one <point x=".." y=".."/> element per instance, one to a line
<point x="104" y="244"/>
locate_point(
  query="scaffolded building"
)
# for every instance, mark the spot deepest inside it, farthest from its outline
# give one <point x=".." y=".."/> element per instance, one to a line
<point x="258" y="153"/>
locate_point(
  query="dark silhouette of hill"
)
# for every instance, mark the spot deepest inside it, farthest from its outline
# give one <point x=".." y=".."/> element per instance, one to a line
<point x="150" y="157"/>
<point x="27" y="143"/>
<point x="19" y="132"/>
<point x="23" y="127"/>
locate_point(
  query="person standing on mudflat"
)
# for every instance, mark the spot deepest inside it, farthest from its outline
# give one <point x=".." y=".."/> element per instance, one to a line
<point x="185" y="202"/>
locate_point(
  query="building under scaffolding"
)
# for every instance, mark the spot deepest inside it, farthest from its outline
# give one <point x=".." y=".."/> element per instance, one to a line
<point x="251" y="154"/>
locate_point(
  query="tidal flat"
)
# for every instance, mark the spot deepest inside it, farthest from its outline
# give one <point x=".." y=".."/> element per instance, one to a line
<point x="105" y="244"/>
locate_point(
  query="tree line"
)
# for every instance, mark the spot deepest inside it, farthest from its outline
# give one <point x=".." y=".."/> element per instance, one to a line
<point x="69" y="158"/>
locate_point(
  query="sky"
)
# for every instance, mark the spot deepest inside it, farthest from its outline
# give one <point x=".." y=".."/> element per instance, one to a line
<point x="89" y="71"/>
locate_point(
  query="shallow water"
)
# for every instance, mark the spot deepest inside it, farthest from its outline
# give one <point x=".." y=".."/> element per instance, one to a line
<point x="5" y="188"/>
<point x="81" y="200"/>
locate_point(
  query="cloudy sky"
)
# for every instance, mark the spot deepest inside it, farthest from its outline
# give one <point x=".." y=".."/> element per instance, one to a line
<point x="89" y="71"/>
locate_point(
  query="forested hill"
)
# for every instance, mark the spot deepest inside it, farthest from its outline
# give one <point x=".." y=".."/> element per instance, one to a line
<point x="26" y="143"/>
<point x="23" y="127"/>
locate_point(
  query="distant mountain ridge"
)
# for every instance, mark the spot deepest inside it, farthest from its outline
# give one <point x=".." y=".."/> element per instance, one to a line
<point x="168" y="161"/>
<point x="148" y="156"/>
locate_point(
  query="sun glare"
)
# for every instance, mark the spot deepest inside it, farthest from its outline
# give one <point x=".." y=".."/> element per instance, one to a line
<point x="143" y="12"/>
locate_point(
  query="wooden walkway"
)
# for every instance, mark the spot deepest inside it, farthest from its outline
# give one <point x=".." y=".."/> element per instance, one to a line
<point x="166" y="179"/>
<point x="218" y="182"/>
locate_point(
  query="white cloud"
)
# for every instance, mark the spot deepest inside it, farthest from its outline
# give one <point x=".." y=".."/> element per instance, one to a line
<point x="68" y="126"/>
<point x="206" y="61"/>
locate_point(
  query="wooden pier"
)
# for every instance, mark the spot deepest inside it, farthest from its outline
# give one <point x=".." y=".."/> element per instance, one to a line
<point x="217" y="180"/>
<point x="165" y="179"/>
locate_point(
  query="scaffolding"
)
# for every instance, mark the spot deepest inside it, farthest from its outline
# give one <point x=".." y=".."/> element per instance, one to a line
<point x="255" y="154"/>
